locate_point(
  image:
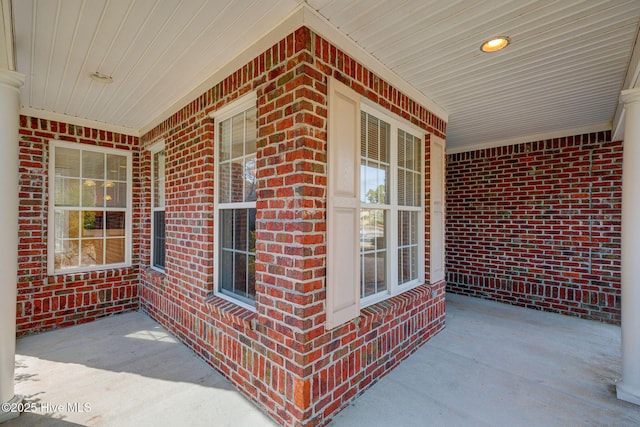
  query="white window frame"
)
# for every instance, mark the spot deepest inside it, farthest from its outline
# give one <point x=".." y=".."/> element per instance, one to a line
<point x="53" y="144"/>
<point x="237" y="106"/>
<point x="153" y="150"/>
<point x="391" y="232"/>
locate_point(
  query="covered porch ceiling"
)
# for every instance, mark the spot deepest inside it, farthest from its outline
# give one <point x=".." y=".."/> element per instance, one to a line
<point x="561" y="75"/>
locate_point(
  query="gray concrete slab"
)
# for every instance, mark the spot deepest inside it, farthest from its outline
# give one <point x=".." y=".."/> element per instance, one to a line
<point x="498" y="365"/>
<point x="493" y="365"/>
<point x="124" y="370"/>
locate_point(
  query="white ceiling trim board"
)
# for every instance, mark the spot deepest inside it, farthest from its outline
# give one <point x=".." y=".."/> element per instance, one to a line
<point x="77" y="121"/>
<point x="303" y="15"/>
<point x="532" y="138"/>
<point x="631" y="80"/>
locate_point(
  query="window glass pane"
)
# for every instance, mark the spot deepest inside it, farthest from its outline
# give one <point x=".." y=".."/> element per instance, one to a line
<point x="417" y="157"/>
<point x="385" y="134"/>
<point x="381" y="269"/>
<point x="408" y="225"/>
<point x="115" y="224"/>
<point x="224" y="186"/>
<point x="116" y="194"/>
<point x="409" y="153"/>
<point x="92" y="165"/>
<point x="374" y="169"/>
<point x="402" y="149"/>
<point x="240" y="274"/>
<point x="226" y="228"/>
<point x="240" y="228"/>
<point x="92" y="224"/>
<point x="226" y="270"/>
<point x="92" y="193"/>
<point x="414" y="228"/>
<point x="67" y="192"/>
<point x="237" y="138"/>
<point x="369" y="278"/>
<point x="115" y="251"/>
<point x="237" y="181"/>
<point x="92" y="252"/>
<point x="373" y="247"/>
<point x="373" y="182"/>
<point x="251" y="216"/>
<point x="158" y="239"/>
<point x="251" y="276"/>
<point x="158" y="179"/>
<point x="237" y="252"/>
<point x="116" y="167"/>
<point x="404" y="237"/>
<point x="414" y="262"/>
<point x="404" y="259"/>
<point x="67" y="224"/>
<point x="67" y="162"/>
<point x="225" y="140"/>
<point x="372" y="140"/>
<point x="408" y="189"/>
<point x="66" y="254"/>
<point x="417" y="196"/>
<point x="250" y="180"/>
<point x="402" y="187"/>
<point x="382" y="179"/>
<point x="251" y="130"/>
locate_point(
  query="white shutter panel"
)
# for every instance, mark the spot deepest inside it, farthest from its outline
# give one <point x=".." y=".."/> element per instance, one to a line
<point x="343" y="205"/>
<point x="437" y="175"/>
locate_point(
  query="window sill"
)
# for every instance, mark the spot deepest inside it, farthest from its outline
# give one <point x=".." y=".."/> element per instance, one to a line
<point x="153" y="275"/>
<point x="239" y="317"/>
<point x="388" y="309"/>
<point x="94" y="270"/>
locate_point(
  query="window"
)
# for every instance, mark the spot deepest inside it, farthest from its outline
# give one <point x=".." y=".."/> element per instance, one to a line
<point x="391" y="207"/>
<point x="236" y="201"/>
<point x="157" y="206"/>
<point x="89" y="208"/>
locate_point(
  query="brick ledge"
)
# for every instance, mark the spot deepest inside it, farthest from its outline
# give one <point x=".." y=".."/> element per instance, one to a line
<point x="240" y="317"/>
<point x="389" y="308"/>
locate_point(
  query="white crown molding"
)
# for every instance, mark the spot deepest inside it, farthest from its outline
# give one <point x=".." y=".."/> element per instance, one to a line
<point x="532" y="138"/>
<point x="77" y="121"/>
<point x="630" y="95"/>
<point x="11" y="79"/>
<point x="302" y="15"/>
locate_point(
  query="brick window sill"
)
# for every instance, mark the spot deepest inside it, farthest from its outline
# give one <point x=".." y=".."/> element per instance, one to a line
<point x="154" y="276"/>
<point x="382" y="312"/>
<point x="239" y="317"/>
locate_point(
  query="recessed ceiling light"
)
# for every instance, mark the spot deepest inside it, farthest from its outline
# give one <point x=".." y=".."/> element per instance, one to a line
<point x="495" y="44"/>
<point x="102" y="78"/>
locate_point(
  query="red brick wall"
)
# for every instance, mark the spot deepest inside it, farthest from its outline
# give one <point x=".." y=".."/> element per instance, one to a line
<point x="538" y="225"/>
<point x="46" y="302"/>
<point x="281" y="356"/>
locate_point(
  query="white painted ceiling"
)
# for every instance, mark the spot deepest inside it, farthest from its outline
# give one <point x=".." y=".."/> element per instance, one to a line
<point x="563" y="71"/>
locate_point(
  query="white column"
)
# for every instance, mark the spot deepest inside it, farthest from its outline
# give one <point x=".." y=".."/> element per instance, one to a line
<point x="628" y="388"/>
<point x="10" y="83"/>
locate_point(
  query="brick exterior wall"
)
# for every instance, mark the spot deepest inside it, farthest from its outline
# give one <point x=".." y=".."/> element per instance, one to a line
<point x="281" y="356"/>
<point x="538" y="225"/>
<point x="45" y="302"/>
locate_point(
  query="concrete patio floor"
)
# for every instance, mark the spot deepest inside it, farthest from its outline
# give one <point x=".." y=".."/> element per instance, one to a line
<point x="493" y="365"/>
